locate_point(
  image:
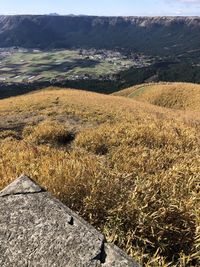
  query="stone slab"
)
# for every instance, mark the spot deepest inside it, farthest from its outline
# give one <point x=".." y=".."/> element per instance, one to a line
<point x="37" y="230"/>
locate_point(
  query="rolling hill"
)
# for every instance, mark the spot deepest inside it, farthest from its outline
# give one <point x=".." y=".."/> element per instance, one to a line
<point x="128" y="167"/>
<point x="181" y="96"/>
<point x="164" y="35"/>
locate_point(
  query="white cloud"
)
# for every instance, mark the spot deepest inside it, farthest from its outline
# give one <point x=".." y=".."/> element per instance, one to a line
<point x="188" y="1"/>
<point x="185" y="3"/>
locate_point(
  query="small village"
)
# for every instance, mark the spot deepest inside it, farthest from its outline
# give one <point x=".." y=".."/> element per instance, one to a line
<point x="20" y="65"/>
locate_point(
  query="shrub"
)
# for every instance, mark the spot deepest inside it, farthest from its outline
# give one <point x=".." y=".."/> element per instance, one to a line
<point x="51" y="132"/>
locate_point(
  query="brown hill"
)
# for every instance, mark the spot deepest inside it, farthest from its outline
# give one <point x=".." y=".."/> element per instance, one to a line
<point x="182" y="96"/>
<point x="128" y="167"/>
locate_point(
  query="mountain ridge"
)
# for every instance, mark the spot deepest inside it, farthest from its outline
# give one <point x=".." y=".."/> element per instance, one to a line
<point x="164" y="35"/>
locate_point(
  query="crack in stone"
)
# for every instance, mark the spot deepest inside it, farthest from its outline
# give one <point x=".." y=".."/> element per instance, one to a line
<point x="24" y="193"/>
<point x="71" y="221"/>
<point x="102" y="254"/>
<point x="80" y="236"/>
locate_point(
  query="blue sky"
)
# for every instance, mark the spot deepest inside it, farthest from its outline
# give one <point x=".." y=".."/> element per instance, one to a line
<point x="102" y="7"/>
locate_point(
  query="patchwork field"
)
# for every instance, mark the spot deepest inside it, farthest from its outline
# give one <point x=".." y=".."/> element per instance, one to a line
<point x="21" y="65"/>
<point x="128" y="167"/>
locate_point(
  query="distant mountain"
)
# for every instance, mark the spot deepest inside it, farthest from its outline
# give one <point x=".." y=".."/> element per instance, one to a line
<point x="151" y="35"/>
<point x="53" y="14"/>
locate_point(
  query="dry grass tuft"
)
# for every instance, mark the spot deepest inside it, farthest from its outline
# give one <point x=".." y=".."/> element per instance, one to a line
<point x="48" y="132"/>
<point x="8" y="134"/>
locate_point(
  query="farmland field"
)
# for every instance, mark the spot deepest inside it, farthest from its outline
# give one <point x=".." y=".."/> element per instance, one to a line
<point x="25" y="65"/>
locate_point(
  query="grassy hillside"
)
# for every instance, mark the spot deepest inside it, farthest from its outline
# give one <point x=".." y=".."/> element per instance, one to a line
<point x="182" y="96"/>
<point x="128" y="167"/>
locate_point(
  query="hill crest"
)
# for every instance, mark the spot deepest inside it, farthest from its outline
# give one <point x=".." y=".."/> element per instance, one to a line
<point x="179" y="96"/>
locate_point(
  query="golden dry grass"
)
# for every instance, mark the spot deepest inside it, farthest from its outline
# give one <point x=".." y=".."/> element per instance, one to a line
<point x="48" y="131"/>
<point x="184" y="96"/>
<point x="131" y="168"/>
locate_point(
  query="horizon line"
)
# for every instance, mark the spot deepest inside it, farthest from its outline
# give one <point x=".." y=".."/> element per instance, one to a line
<point x="93" y="15"/>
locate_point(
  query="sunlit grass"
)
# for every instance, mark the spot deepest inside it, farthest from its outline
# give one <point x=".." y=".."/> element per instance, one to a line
<point x="184" y="96"/>
<point x="131" y="168"/>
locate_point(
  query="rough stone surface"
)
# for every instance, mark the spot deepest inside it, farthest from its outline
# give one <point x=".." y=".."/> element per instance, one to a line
<point x="37" y="230"/>
<point x="22" y="185"/>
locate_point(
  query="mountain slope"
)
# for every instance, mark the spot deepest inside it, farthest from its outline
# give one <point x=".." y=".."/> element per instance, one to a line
<point x="130" y="168"/>
<point x="182" y="96"/>
<point x="164" y="35"/>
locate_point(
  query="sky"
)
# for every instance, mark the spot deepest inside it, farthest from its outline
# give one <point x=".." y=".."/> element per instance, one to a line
<point x="103" y="7"/>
